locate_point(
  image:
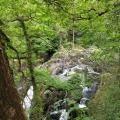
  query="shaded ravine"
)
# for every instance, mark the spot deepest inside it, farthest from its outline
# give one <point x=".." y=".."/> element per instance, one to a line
<point x="64" y="72"/>
<point x="64" y="68"/>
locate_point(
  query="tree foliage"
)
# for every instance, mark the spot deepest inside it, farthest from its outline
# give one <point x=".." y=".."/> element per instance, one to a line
<point x="38" y="28"/>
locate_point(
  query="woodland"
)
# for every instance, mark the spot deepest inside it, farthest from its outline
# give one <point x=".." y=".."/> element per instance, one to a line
<point x="59" y="59"/>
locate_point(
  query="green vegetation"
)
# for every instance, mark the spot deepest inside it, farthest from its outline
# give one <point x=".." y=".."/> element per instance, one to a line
<point x="43" y="76"/>
<point x="106" y="104"/>
<point x="38" y="30"/>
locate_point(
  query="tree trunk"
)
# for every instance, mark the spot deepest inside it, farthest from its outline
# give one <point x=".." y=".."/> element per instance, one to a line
<point x="10" y="103"/>
<point x="73" y="22"/>
<point x="73" y="44"/>
<point x="29" y="52"/>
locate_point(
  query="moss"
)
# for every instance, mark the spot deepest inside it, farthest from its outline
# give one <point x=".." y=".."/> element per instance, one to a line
<point x="74" y="87"/>
<point x="106" y="103"/>
<point x="78" y="114"/>
<point x="36" y="111"/>
<point x="66" y="53"/>
<point x="43" y="76"/>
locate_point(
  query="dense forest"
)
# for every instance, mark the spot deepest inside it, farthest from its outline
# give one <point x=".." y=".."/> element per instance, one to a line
<point x="59" y="60"/>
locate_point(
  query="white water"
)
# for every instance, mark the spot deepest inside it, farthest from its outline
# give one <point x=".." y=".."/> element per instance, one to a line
<point x="86" y="91"/>
<point x="28" y="99"/>
<point x="64" y="115"/>
<point x="82" y="106"/>
<point x="64" y="75"/>
<point x="83" y="102"/>
<point x="67" y="73"/>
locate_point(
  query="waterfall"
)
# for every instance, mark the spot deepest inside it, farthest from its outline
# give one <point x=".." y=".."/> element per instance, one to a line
<point x="64" y="75"/>
<point x="28" y="99"/>
<point x="87" y="92"/>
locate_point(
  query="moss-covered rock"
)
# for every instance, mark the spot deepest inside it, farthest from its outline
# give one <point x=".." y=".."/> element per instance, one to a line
<point x="78" y="114"/>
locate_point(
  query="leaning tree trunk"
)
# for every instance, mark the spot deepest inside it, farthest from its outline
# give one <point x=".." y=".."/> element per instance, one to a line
<point x="29" y="51"/>
<point x="10" y="103"/>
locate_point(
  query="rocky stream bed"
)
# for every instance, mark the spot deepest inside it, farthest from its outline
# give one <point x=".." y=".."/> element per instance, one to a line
<point x="64" y="66"/>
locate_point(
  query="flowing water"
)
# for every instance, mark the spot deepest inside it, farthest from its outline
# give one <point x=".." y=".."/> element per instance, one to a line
<point x="28" y="99"/>
<point x="66" y="74"/>
<point x="87" y="92"/>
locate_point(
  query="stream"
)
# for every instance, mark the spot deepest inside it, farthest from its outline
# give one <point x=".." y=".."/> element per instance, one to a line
<point x="87" y="92"/>
<point x="65" y="75"/>
<point x="27" y="102"/>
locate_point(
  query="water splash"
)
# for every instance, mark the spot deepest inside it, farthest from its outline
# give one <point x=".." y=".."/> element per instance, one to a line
<point x="64" y="115"/>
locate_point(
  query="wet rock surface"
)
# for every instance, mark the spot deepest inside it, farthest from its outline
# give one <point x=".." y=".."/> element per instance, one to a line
<point x="50" y="97"/>
<point x="74" y="61"/>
